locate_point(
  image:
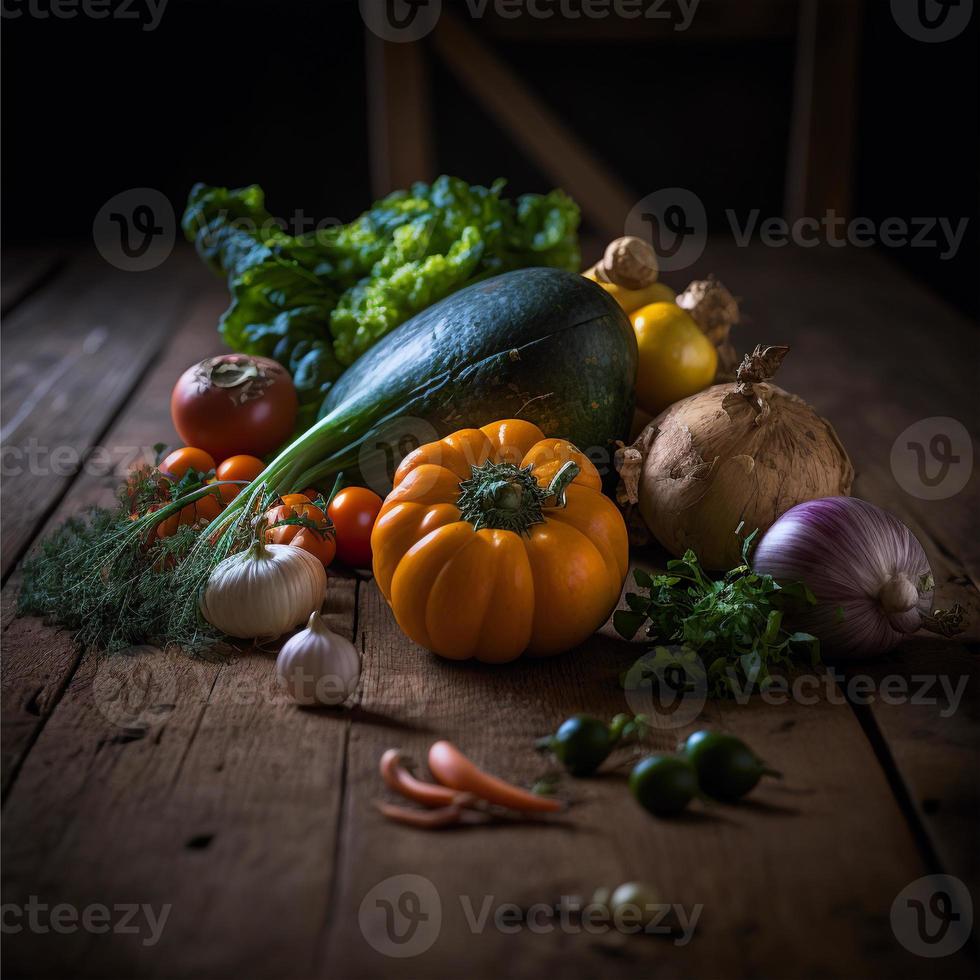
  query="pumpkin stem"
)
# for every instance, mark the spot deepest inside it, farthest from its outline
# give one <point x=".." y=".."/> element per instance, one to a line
<point x="507" y="497"/>
<point x="502" y="495"/>
<point x="561" y="481"/>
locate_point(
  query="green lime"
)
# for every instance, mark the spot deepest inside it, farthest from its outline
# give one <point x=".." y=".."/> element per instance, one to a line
<point x="727" y="768"/>
<point x="582" y="744"/>
<point x="664" y="784"/>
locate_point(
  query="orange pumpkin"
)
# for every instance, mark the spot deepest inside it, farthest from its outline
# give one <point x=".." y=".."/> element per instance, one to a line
<point x="497" y="541"/>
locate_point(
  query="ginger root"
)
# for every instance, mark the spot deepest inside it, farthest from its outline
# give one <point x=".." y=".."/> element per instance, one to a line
<point x="629" y="262"/>
<point x="715" y="310"/>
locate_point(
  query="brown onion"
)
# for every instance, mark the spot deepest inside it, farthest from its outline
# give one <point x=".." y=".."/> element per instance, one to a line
<point x="734" y="454"/>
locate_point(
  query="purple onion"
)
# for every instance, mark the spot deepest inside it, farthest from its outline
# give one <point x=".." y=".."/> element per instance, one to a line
<point x="869" y="574"/>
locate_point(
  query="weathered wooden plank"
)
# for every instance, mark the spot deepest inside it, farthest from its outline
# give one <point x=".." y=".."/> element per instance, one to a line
<point x="776" y="876"/>
<point x="226" y="806"/>
<point x="72" y="355"/>
<point x="37" y="660"/>
<point x="927" y="711"/>
<point x="194" y="788"/>
<point x="789" y="856"/>
<point x="22" y="270"/>
<point x="192" y="785"/>
<point x="875" y="353"/>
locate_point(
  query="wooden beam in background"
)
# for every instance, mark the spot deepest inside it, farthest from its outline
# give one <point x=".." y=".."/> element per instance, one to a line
<point x="820" y="161"/>
<point x="399" y="123"/>
<point x="538" y="131"/>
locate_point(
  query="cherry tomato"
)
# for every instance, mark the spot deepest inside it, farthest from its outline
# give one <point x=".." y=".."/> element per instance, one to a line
<point x="201" y="511"/>
<point x="318" y="541"/>
<point x="181" y="460"/>
<point x="233" y="403"/>
<point x="237" y="468"/>
<point x="353" y="512"/>
<point x="301" y="500"/>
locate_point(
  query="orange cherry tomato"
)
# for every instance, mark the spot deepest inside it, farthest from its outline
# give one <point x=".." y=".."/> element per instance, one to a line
<point x="353" y="513"/>
<point x="187" y="458"/>
<point x="201" y="511"/>
<point x="237" y="468"/>
<point x="301" y="500"/>
<point x="175" y="467"/>
<point x="317" y="540"/>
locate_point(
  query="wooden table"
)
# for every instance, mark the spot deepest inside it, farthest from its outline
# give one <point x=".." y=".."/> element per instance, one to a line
<point x="190" y="787"/>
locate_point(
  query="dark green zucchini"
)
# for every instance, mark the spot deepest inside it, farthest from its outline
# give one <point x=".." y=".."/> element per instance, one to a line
<point x="539" y="344"/>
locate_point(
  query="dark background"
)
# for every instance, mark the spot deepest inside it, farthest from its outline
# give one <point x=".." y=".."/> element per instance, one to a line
<point x="238" y="91"/>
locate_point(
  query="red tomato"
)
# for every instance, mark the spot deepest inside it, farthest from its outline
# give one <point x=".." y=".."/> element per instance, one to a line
<point x="353" y="512"/>
<point x="181" y="460"/>
<point x="233" y="404"/>
<point x="237" y="468"/>
<point x="319" y="542"/>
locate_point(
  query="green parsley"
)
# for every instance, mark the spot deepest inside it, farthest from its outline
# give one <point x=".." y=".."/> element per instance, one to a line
<point x="731" y="628"/>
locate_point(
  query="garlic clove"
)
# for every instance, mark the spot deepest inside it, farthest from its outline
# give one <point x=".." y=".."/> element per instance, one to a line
<point x="318" y="666"/>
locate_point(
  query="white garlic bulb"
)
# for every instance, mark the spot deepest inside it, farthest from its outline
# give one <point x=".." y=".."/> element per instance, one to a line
<point x="264" y="591"/>
<point x="317" y="666"/>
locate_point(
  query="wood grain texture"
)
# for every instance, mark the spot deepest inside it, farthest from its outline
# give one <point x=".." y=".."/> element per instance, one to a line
<point x="162" y="780"/>
<point x="186" y="784"/>
<point x="817" y="857"/>
<point x="183" y="776"/>
<point x="72" y="354"/>
<point x="38" y="661"/>
<point x="23" y="270"/>
<point x="925" y="719"/>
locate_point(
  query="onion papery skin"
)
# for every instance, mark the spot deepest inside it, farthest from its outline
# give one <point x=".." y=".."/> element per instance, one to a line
<point x="856" y="559"/>
<point x="715" y="460"/>
<point x="264" y="591"/>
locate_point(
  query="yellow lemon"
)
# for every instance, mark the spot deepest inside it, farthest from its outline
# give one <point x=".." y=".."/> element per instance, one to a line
<point x="633" y="299"/>
<point x="676" y="359"/>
